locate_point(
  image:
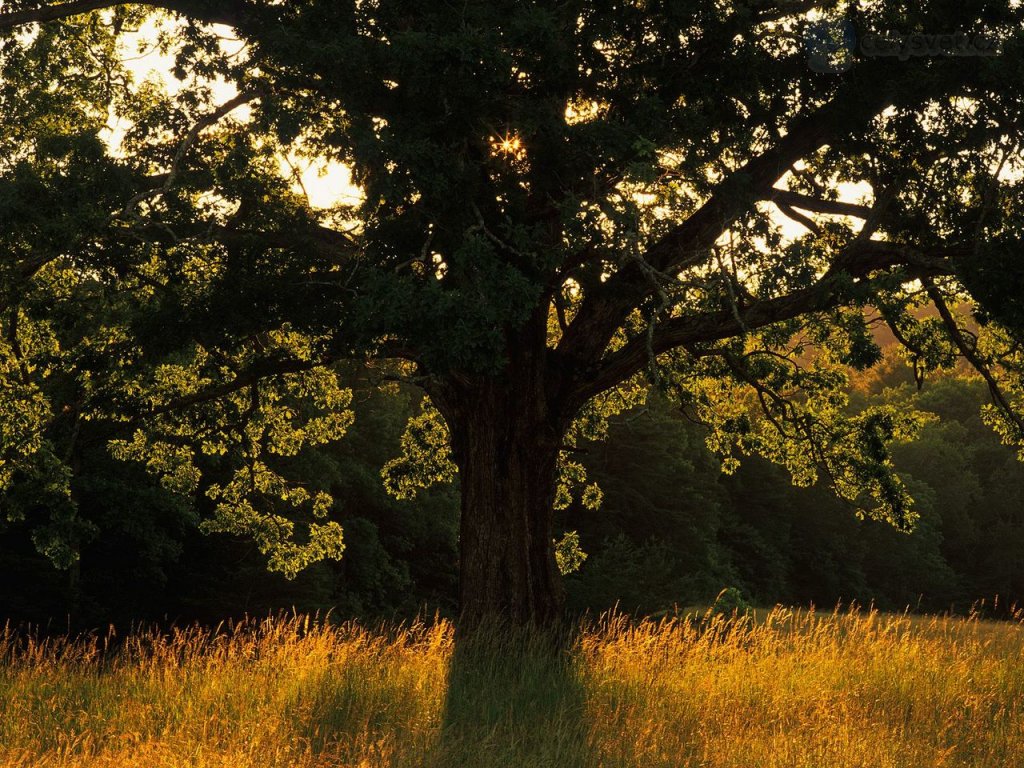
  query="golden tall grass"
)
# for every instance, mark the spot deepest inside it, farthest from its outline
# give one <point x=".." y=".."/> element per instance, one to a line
<point x="846" y="689"/>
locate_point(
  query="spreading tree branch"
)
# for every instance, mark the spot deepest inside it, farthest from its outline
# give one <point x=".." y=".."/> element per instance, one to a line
<point x="689" y="244"/>
<point x="830" y="291"/>
<point x="229" y="12"/>
<point x="970" y="353"/>
<point x="783" y="198"/>
<point x="258" y="371"/>
<point x="206" y="121"/>
<point x="799" y="218"/>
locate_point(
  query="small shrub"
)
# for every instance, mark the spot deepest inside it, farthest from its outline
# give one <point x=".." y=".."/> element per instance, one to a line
<point x="729" y="603"/>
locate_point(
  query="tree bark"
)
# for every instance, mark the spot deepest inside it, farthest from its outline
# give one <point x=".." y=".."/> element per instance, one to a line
<point x="506" y="445"/>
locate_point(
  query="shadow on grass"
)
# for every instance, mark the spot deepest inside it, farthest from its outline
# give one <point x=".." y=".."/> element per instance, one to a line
<point x="513" y="699"/>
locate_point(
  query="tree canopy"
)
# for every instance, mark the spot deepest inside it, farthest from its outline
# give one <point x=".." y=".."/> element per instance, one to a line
<point x="562" y="205"/>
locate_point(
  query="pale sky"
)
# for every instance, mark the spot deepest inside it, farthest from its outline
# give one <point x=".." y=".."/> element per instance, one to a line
<point x="326" y="183"/>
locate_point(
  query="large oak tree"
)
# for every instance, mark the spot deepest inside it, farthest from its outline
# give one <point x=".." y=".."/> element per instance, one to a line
<point x="563" y="204"/>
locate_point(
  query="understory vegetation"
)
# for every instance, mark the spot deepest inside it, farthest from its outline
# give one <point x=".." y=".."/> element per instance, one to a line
<point x="774" y="688"/>
<point x="672" y="528"/>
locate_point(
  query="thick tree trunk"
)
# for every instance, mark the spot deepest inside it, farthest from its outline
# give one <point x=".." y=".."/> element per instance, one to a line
<point x="506" y="446"/>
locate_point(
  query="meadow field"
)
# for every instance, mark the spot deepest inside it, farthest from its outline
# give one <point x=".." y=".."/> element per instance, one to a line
<point x="789" y="688"/>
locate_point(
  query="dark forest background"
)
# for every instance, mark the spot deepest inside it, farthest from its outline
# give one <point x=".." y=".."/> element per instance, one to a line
<point x="673" y="530"/>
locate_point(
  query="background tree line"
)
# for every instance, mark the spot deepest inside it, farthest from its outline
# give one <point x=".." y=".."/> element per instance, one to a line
<point x="672" y="529"/>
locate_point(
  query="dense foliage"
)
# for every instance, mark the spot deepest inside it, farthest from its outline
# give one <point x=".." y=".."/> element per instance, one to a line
<point x="563" y="208"/>
<point x="672" y="529"/>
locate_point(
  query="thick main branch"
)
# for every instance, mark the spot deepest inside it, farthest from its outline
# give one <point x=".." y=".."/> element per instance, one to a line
<point x="229" y="12"/>
<point x="830" y="291"/>
<point x="689" y="244"/>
